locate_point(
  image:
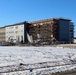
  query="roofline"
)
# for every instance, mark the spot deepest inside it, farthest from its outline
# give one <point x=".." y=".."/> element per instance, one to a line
<point x="16" y="24"/>
<point x="51" y="19"/>
<point x="41" y="20"/>
<point x="63" y="19"/>
<point x="2" y="27"/>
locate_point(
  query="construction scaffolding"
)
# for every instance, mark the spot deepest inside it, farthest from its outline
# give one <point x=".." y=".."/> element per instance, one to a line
<point x="43" y="30"/>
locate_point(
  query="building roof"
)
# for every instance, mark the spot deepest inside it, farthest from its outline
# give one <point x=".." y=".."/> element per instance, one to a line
<point x="50" y="19"/>
<point x="63" y="19"/>
<point x="45" y="20"/>
<point x="17" y="24"/>
<point x="2" y="27"/>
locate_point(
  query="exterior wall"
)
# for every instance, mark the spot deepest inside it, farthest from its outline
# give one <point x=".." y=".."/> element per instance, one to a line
<point x="26" y="34"/>
<point x="58" y="29"/>
<point x="64" y="31"/>
<point x="15" y="33"/>
<point x="71" y="31"/>
<point x="42" y="30"/>
<point x="55" y="29"/>
<point x="2" y="34"/>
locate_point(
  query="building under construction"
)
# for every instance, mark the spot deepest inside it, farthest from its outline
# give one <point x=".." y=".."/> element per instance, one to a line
<point x="48" y="31"/>
<point x="51" y="30"/>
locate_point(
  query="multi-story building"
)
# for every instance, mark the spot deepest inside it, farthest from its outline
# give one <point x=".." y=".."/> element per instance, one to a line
<point x="2" y="34"/>
<point x="55" y="29"/>
<point x="58" y="29"/>
<point x="16" y="32"/>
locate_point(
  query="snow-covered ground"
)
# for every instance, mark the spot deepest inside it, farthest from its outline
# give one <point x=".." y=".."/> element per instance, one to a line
<point x="40" y="59"/>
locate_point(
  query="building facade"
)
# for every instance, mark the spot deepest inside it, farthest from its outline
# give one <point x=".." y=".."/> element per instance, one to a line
<point x="16" y="32"/>
<point x="48" y="30"/>
<point x="43" y="30"/>
<point x="71" y="31"/>
<point x="2" y="34"/>
<point x="58" y="29"/>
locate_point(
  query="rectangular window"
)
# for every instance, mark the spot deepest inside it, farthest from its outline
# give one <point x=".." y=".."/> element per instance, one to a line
<point x="16" y="32"/>
<point x="16" y="27"/>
